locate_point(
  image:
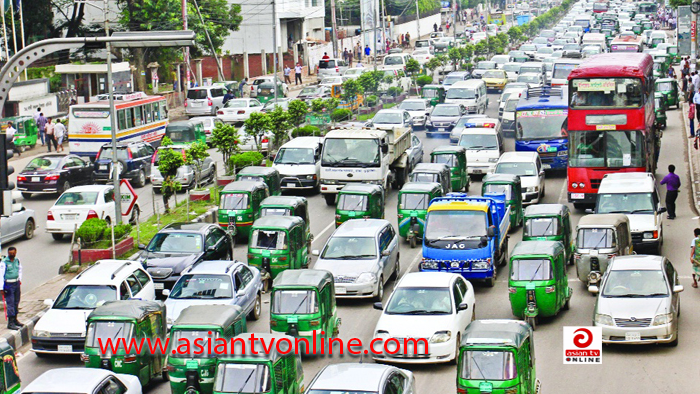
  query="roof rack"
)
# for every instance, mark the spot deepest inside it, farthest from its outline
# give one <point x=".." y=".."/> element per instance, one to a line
<point x="114" y="274"/>
<point x="88" y="269"/>
<point x="544" y="91"/>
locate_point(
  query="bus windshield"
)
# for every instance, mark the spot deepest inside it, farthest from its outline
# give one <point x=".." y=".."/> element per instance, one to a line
<point x="606" y="93"/>
<point x="600" y="148"/>
<point x="541" y="124"/>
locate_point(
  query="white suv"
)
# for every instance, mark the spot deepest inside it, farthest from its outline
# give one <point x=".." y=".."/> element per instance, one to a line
<point x="62" y="329"/>
<point x="528" y="166"/>
<point x="205" y="100"/>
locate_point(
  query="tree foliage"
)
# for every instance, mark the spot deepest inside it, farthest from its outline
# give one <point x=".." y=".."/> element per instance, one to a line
<point x="370" y="81"/>
<point x="225" y="138"/>
<point x="279" y="124"/>
<point x="297" y="112"/>
<point x="169" y="161"/>
<point x="256" y="125"/>
<point x="196" y="154"/>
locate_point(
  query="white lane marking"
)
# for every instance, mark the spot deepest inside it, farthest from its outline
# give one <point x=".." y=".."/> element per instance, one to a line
<point x="563" y="191"/>
<point x="415" y="260"/>
<point x="318" y="236"/>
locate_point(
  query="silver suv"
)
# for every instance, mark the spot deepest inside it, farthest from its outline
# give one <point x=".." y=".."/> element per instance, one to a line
<point x="331" y="68"/>
<point x="205" y="100"/>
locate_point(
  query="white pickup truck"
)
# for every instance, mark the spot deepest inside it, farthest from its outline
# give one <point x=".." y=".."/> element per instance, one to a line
<point x="364" y="155"/>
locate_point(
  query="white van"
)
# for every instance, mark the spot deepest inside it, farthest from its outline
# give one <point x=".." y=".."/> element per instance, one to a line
<point x="471" y="94"/>
<point x="533" y="67"/>
<point x="636" y="195"/>
<point x="528" y="166"/>
<point x="484" y="145"/>
<point x="299" y="163"/>
<point x="594" y="39"/>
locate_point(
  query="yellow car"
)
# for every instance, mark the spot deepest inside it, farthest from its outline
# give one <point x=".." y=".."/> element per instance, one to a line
<point x="495" y="79"/>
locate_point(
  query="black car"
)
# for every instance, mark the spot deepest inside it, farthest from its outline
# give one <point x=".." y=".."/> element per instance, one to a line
<point x="181" y="245"/>
<point x="134" y="162"/>
<point x="54" y="173"/>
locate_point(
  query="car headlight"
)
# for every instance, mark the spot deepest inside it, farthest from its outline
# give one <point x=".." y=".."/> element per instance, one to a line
<point x="40" y="334"/>
<point x="480" y="265"/>
<point x="493" y="160"/>
<point x="311" y="177"/>
<point x="532" y="189"/>
<point x="648" y="235"/>
<point x="441" y="336"/>
<point x="603" y="320"/>
<point x="665" y="318"/>
<point x="330" y="181"/>
<point x="562" y="153"/>
<point x="429" y="265"/>
<point x="366" y="277"/>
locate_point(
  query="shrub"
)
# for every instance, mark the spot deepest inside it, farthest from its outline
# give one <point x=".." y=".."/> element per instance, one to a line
<point x="92" y="230"/>
<point x="371" y="101"/>
<point x="121" y="230"/>
<point x="246" y="159"/>
<point x="424" y="80"/>
<point x="394" y="91"/>
<point x="305" y="131"/>
<point x="341" y="114"/>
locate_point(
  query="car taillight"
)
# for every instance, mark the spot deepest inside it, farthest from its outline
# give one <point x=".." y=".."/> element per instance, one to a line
<point x="240" y="112"/>
<point x="219" y="112"/>
<point x="337" y="70"/>
<point x="92" y="215"/>
<point x="315" y="323"/>
<point x="130" y="358"/>
<point x="49" y="216"/>
<point x="51" y="177"/>
<point x="128" y="150"/>
<point x="209" y="102"/>
<point x="21" y="178"/>
<point x="265" y="140"/>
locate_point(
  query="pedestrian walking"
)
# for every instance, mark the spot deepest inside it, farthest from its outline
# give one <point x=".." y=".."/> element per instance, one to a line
<point x="435" y="27"/>
<point x="358" y="52"/>
<point x="10" y="135"/>
<point x="695" y="257"/>
<point x="11" y="271"/>
<point x="59" y="133"/>
<point x="297" y="73"/>
<point x="367" y="50"/>
<point x="41" y="124"/>
<point x="287" y="71"/>
<point x="691" y="119"/>
<point x="696" y="80"/>
<point x="691" y="90"/>
<point x="684" y="85"/>
<point x="50" y="137"/>
<point x="408" y="40"/>
<point x="350" y="58"/>
<point x="241" y="86"/>
<point x="696" y="101"/>
<point x="673" y="184"/>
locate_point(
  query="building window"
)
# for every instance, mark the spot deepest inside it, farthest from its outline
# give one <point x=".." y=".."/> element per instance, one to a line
<point x="314" y="3"/>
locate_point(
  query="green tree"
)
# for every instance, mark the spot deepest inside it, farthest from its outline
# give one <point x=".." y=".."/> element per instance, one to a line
<point x="280" y="125"/>
<point x="225" y="138"/>
<point x="351" y="88"/>
<point x="330" y="104"/>
<point x="168" y="162"/>
<point x="412" y="67"/>
<point x="370" y="81"/>
<point x="297" y="111"/>
<point x="196" y="154"/>
<point x="256" y="125"/>
<point x="455" y="56"/>
<point x="433" y="64"/>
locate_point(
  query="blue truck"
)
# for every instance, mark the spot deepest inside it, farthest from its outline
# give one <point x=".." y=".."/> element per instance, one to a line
<point x="541" y="125"/>
<point x="466" y="235"/>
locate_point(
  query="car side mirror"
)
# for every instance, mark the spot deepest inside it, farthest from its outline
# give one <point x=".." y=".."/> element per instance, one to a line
<point x="378" y="306"/>
<point x="386" y="253"/>
<point x="589" y="211"/>
<point x="211" y="248"/>
<point x="462" y="307"/>
<point x="662" y="209"/>
<point x="593" y="289"/>
<point x="315" y="252"/>
<point x="491" y="232"/>
<point x="142" y="247"/>
<point x="240" y="293"/>
<point x="48" y="302"/>
<point x="385" y="148"/>
<point x="165" y="292"/>
<point x="677" y="288"/>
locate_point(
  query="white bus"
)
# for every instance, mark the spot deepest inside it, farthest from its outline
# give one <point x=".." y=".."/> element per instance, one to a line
<point x="139" y="118"/>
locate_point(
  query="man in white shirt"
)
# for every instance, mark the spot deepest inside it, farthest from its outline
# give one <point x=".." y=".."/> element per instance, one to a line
<point x="297" y="74"/>
<point x="59" y="133"/>
<point x="696" y="80"/>
<point x="10" y="133"/>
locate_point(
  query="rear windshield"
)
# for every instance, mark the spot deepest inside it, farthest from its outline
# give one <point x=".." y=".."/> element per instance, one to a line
<point x="234" y="201"/>
<point x="326" y="64"/>
<point x="180" y="133"/>
<point x="542" y="227"/>
<point x="264" y="239"/>
<point x="77" y="198"/>
<point x="197" y="94"/>
<point x="352" y="202"/>
<point x="595" y="238"/>
<point x="294" y="302"/>
<point x="536" y="269"/>
<point x="415" y="201"/>
<point x="106" y="153"/>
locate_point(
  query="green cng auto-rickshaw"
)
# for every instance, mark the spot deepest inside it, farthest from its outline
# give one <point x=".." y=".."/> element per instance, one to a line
<point x="669" y="88"/>
<point x="538" y="285"/>
<point x="660" y="110"/>
<point x="9" y="372"/>
<point x="127" y="320"/>
<point x="434" y="93"/>
<point x="550" y="222"/>
<point x="413" y="202"/>
<point x="359" y="201"/>
<point x="27" y="130"/>
<point x="269" y="175"/>
<point x="672" y="51"/>
<point x="289" y="206"/>
<point x="658" y="68"/>
<point x="432" y="172"/>
<point x="497" y="356"/>
<point x="302" y="304"/>
<point x="277" y="243"/>
<point x="195" y="371"/>
<point x="509" y="185"/>
<point x="239" y="205"/>
<point x="599" y="238"/>
<point x="186" y="132"/>
<point x="255" y="367"/>
<point x="266" y="91"/>
<point x="455" y="157"/>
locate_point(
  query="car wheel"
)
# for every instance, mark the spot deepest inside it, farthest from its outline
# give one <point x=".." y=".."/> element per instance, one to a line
<point x="397" y="269"/>
<point x="27" y="196"/>
<point x="380" y="290"/>
<point x="330" y="199"/>
<point x="216" y="109"/>
<point x="135" y="214"/>
<point x="109" y="221"/>
<point x="156" y="190"/>
<point x="257" y="308"/>
<point x="29" y="229"/>
<point x="491" y="282"/>
<point x="457" y="343"/>
<point x="140" y="180"/>
<point x="66" y="186"/>
<point x="675" y="341"/>
<point x="57" y="237"/>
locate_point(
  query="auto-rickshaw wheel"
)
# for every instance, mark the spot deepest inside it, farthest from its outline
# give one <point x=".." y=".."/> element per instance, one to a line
<point x="330" y="199"/>
<point x="164" y="375"/>
<point x="412" y="241"/>
<point x="532" y="321"/>
<point x="27" y="196"/>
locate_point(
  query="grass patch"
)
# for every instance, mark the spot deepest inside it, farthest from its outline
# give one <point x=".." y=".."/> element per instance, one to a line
<point x="390" y="105"/>
<point x="365" y="117"/>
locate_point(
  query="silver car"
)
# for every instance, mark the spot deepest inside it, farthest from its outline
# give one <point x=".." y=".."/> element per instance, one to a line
<point x="639" y="301"/>
<point x="189" y="175"/>
<point x="362" y="255"/>
<point x="20" y="224"/>
<point x="362" y="378"/>
<point x="205" y="100"/>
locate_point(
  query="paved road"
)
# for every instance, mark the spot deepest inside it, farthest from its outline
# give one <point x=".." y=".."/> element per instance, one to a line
<point x="624" y="369"/>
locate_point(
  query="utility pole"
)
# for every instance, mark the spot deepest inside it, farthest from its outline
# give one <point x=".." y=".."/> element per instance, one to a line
<point x="335" y="30"/>
<point x="417" y="22"/>
<point x="187" y="49"/>
<point x="375" y="15"/>
<point x="454" y="20"/>
<point x="274" y="47"/>
<point x="112" y="124"/>
<point x="694" y="8"/>
<point x="213" y="51"/>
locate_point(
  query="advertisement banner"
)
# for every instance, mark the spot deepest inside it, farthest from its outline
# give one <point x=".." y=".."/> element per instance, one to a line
<point x="684" y="30"/>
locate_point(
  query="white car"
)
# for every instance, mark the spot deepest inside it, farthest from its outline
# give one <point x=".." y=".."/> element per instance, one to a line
<point x="476" y="37"/>
<point x="512" y="69"/>
<point x="433" y="306"/>
<point x="532" y="79"/>
<point x="354" y="72"/>
<point x="387" y="119"/>
<point x="299" y="163"/>
<point x="238" y="110"/>
<point x="83" y="381"/>
<point x="419" y="109"/>
<point x="484" y="146"/>
<point x="507" y="93"/>
<point x="20" y="224"/>
<point x="422" y="56"/>
<point x="267" y="79"/>
<point x="62" y="328"/>
<point x="329" y="82"/>
<point x="528" y="166"/>
<point x="80" y="203"/>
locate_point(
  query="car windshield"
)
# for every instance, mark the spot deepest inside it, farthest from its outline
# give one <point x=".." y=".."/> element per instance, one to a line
<point x="268" y="239"/>
<point x="488" y="365"/>
<point x="451" y="79"/>
<point x="562" y="70"/>
<point x="493" y="74"/>
<point x="190" y="336"/>
<point x="540" y="40"/>
<point x="446" y="110"/>
<point x="512" y="67"/>
<point x="635" y="283"/>
<point x="308" y="91"/>
<point x="595" y="238"/>
<point x="393" y="60"/>
<point x="545" y="50"/>
<point x="242" y="378"/>
<point x="331" y="81"/>
<point x="479" y="141"/>
<point x="202" y="286"/>
<point x="460" y="93"/>
<point x="483" y="65"/>
<point x="498" y="188"/>
<point x="352" y="152"/>
<point x="175" y="242"/>
<point x="106" y="153"/>
<point x="542" y="227"/>
<point x="181" y="133"/>
<point x="236" y="104"/>
<point x="418" y="201"/>
<point x="541" y="124"/>
<point x="234" y="201"/>
<point x="448" y="159"/>
<point x="529" y="79"/>
<point x="345" y="248"/>
<point x="270" y="105"/>
<point x="197" y="94"/>
<point x="528" y="48"/>
<point x="629" y="203"/>
<point x="547" y="33"/>
<point x="388" y="118"/>
<point x="420" y="301"/>
<point x="455" y="225"/>
<point x="84" y="296"/>
<point x="413" y="105"/>
<point x="100" y="332"/>
<point x="517" y="168"/>
<point x="664" y="86"/>
<point x="352" y="202"/>
<point x="511" y="105"/>
<point x="531" y="269"/>
<point x="295" y="156"/>
<point x="43" y="163"/>
<point x="78" y="198"/>
<point x="294" y="302"/>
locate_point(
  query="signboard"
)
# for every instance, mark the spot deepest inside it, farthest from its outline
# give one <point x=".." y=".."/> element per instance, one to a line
<point x="317" y="120"/>
<point x="48" y="105"/>
<point x="596" y="85"/>
<point x="683" y="30"/>
<point x="584" y="345"/>
<point x="128" y="196"/>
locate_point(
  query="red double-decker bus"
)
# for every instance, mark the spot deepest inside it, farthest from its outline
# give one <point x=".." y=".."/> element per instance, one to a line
<point x="611" y="121"/>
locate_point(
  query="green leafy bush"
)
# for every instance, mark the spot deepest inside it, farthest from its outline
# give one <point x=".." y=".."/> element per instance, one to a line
<point x="394" y="91"/>
<point x="306" y="131"/>
<point x="246" y="159"/>
<point x="371" y="101"/>
<point x="424" y="80"/>
<point x="341" y="114"/>
<point x="121" y="230"/>
<point x="92" y="230"/>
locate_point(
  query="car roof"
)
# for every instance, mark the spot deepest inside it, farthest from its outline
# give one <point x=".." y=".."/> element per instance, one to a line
<point x="105" y="272"/>
<point x="68" y="380"/>
<point x="427" y="279"/>
<point x="391" y="111"/>
<point x="360" y="227"/>
<point x="632" y="182"/>
<point x="351" y="377"/>
<point x="209" y="315"/>
<point x="130" y="309"/>
<point x="186" y="226"/>
<point x="213" y="267"/>
<point x="637" y="262"/>
<point x="278" y="222"/>
<point x="303" y="277"/>
<point x="303" y="142"/>
<point x="520" y="157"/>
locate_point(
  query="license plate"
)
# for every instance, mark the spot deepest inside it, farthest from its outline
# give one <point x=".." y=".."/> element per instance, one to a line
<point x="577" y="196"/>
<point x="477" y="171"/>
<point x="196" y="104"/>
<point x="441" y="129"/>
<point x="340" y="290"/>
<point x="158" y="286"/>
<point x="65" y="348"/>
<point x="290" y="185"/>
<point x="546" y="166"/>
<point x="36" y="179"/>
<point x="103" y="167"/>
<point x="632" y="336"/>
<point x="70" y="216"/>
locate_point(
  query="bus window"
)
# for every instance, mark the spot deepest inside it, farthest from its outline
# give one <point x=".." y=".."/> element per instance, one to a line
<point x="607" y="92"/>
<point x="129" y="114"/>
<point x="624" y="148"/>
<point x="121" y="116"/>
<point x="147" y="113"/>
<point x="138" y="119"/>
<point x="156" y="111"/>
<point x="587" y="149"/>
<point x="163" y="110"/>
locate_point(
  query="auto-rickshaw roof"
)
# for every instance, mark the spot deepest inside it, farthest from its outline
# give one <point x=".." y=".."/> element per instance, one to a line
<point x="442" y="149"/>
<point x="496" y="332"/>
<point x="210" y="315"/>
<point x="305" y="277"/>
<point x="436" y="87"/>
<point x="181" y="123"/>
<point x="546" y="210"/>
<point x="129" y="309"/>
<point x="361" y="188"/>
<point x="284" y="201"/>
<point x="258" y="170"/>
<point x="501" y="178"/>
<point x="278" y="222"/>
<point x="16" y="119"/>
<point x="243" y="349"/>
<point x="552" y="248"/>
<point x="662" y="80"/>
<point x="244" y="186"/>
<point x="421" y="187"/>
<point x="603" y="220"/>
<point x="431" y="167"/>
